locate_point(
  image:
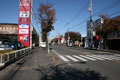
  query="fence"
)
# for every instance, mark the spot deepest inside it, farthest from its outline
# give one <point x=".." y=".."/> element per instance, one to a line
<point x="7" y="57"/>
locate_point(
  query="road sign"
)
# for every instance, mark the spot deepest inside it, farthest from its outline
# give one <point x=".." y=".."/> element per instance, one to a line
<point x="48" y="34"/>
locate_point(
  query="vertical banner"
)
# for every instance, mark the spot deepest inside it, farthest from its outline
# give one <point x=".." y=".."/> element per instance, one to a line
<point x="24" y="22"/>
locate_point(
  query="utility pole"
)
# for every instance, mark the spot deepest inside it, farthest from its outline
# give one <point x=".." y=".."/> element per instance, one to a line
<point x="68" y="34"/>
<point x="31" y="27"/>
<point x="91" y="23"/>
<point x="39" y="36"/>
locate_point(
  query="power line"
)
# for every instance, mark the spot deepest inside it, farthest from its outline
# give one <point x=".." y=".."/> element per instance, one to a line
<point x="35" y="16"/>
<point x="114" y="13"/>
<point x="116" y="3"/>
<point x="80" y="12"/>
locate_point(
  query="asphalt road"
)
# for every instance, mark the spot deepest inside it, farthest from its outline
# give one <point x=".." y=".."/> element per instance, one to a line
<point x="64" y="63"/>
<point x="105" y="63"/>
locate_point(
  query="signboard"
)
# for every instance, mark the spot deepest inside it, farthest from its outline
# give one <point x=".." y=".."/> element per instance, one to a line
<point x="23" y="31"/>
<point x="24" y="14"/>
<point x="24" y="22"/>
<point x="25" y="37"/>
<point x="23" y="26"/>
<point x="48" y="34"/>
<point x="94" y="33"/>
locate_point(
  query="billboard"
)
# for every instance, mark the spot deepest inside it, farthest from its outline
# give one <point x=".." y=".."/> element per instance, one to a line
<point x="24" y="22"/>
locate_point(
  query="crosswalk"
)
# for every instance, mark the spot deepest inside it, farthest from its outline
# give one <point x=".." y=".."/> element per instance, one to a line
<point x="77" y="58"/>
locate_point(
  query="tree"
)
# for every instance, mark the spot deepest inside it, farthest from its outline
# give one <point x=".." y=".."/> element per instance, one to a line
<point x="74" y="36"/>
<point x="110" y="25"/>
<point x="46" y="18"/>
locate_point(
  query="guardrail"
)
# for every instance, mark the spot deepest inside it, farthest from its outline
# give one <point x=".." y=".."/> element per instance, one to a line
<point x="7" y="57"/>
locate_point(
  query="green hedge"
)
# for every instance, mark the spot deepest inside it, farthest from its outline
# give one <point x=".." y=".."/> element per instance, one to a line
<point x="5" y="51"/>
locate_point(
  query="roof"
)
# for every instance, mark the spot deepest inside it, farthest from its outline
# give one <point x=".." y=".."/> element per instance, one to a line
<point x="8" y="24"/>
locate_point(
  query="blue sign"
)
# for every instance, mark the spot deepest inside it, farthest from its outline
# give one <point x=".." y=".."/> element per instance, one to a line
<point x="48" y="34"/>
<point x="25" y="37"/>
<point x="23" y="26"/>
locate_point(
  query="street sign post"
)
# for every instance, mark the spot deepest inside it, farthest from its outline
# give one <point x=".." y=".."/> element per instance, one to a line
<point x="48" y="34"/>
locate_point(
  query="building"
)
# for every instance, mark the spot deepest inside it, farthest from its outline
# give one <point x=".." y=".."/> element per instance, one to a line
<point x="9" y="33"/>
<point x="113" y="38"/>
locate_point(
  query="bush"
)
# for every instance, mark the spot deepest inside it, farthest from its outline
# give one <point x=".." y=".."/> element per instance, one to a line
<point x="5" y="51"/>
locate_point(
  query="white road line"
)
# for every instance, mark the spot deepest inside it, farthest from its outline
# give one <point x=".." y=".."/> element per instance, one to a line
<point x="113" y="57"/>
<point x="105" y="57"/>
<point x="87" y="57"/>
<point x="63" y="58"/>
<point x="78" y="57"/>
<point x="95" y="57"/>
<point x="116" y="58"/>
<point x="71" y="58"/>
<point x="56" y="52"/>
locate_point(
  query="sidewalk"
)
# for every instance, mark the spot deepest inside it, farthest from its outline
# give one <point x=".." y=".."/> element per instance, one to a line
<point x="30" y="65"/>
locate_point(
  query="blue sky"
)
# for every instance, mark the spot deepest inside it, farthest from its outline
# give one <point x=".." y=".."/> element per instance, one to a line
<point x="74" y="11"/>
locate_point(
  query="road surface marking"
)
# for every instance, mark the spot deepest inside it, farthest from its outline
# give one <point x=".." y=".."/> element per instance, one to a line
<point x="98" y="56"/>
<point x="87" y="57"/>
<point x="105" y="57"/>
<point x="113" y="57"/>
<point x="56" y="52"/>
<point x="78" y="57"/>
<point x="63" y="58"/>
<point x="71" y="58"/>
<point x="95" y="57"/>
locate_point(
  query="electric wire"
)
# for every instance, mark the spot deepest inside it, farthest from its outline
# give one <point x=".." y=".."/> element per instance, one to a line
<point x="116" y="3"/>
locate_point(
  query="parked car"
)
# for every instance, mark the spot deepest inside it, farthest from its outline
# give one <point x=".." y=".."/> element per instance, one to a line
<point x="4" y="47"/>
<point x="16" y="45"/>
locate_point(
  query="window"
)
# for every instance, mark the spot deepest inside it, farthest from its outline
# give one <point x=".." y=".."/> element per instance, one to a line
<point x="14" y="28"/>
<point x="3" y="27"/>
<point x="7" y="28"/>
<point x="10" y="28"/>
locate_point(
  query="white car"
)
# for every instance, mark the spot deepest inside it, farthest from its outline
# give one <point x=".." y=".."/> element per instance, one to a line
<point x="43" y="44"/>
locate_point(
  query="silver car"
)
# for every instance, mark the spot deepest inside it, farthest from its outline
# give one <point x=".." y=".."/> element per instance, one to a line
<point x="4" y="47"/>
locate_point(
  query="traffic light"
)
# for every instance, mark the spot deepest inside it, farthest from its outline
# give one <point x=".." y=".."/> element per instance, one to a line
<point x="97" y="37"/>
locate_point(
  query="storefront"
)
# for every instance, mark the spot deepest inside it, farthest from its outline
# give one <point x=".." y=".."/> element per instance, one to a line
<point x="8" y="32"/>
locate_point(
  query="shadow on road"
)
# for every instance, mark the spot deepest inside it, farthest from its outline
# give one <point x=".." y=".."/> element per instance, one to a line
<point x="68" y="73"/>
